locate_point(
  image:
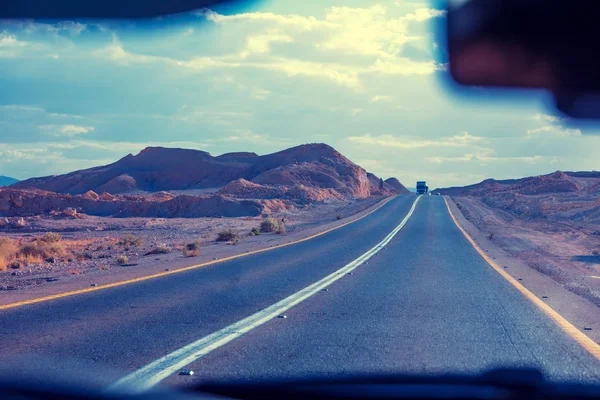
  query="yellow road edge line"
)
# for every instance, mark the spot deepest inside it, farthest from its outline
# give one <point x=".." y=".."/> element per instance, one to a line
<point x="585" y="341"/>
<point x="191" y="267"/>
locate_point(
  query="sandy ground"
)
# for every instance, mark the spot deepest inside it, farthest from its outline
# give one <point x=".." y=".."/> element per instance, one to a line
<point x="564" y="251"/>
<point x="93" y="244"/>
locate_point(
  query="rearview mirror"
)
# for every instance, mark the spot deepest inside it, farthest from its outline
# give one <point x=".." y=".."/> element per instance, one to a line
<point x="549" y="44"/>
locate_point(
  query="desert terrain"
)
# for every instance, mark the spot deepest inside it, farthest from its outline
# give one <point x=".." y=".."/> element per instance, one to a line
<point x="175" y="206"/>
<point x="550" y="222"/>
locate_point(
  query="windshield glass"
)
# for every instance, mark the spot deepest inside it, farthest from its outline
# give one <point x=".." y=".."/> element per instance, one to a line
<point x="250" y="191"/>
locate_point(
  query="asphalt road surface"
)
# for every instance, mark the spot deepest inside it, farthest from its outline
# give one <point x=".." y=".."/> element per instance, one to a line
<point x="425" y="303"/>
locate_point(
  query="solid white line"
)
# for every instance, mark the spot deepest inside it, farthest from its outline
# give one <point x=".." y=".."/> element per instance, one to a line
<point x="151" y="374"/>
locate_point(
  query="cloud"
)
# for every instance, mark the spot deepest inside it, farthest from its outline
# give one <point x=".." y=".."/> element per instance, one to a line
<point x="262" y="43"/>
<point x="556" y="129"/>
<point x="31" y="27"/>
<point x="67" y="130"/>
<point x="423" y="14"/>
<point x="20" y="108"/>
<point x="297" y="21"/>
<point x="548" y="118"/>
<point x="9" y="40"/>
<point x="9" y="45"/>
<point x="380" y="98"/>
<point x="485" y="158"/>
<point x="556" y="126"/>
<point x="407" y="142"/>
<point x="116" y="53"/>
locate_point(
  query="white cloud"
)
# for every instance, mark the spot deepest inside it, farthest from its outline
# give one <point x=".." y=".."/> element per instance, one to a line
<point x="548" y="118"/>
<point x="407" y="142"/>
<point x="115" y="52"/>
<point x="9" y="40"/>
<point x="297" y="21"/>
<point x="485" y="158"/>
<point x="380" y="98"/>
<point x="21" y="108"/>
<point x="262" y="43"/>
<point x="67" y="130"/>
<point x="556" y="129"/>
<point x="423" y="14"/>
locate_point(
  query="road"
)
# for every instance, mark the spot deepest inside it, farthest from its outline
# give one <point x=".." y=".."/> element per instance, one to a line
<point x="425" y="303"/>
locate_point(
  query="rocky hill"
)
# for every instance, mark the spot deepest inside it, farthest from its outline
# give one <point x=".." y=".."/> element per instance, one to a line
<point x="572" y="196"/>
<point x="238" y="184"/>
<point x="396" y="186"/>
<point x="24" y="203"/>
<point x="160" y="169"/>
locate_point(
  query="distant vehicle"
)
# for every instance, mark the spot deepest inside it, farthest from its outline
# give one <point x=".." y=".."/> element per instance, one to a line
<point x="422" y="187"/>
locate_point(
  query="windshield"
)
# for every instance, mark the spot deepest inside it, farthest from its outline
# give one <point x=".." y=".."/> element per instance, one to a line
<point x="249" y="191"/>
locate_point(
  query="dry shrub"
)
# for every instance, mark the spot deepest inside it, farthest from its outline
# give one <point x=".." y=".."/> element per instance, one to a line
<point x="281" y="229"/>
<point x="192" y="249"/>
<point x="8" y="250"/>
<point x="122" y="260"/>
<point x="228" y="235"/>
<point x="255" y="231"/>
<point x="191" y="253"/>
<point x="269" y="224"/>
<point x="160" y="249"/>
<point x="51" y="237"/>
<point x="130" y="239"/>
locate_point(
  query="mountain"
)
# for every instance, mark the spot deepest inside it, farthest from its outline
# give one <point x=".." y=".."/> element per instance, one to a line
<point x="397" y="186"/>
<point x="559" y="196"/>
<point x="556" y="182"/>
<point x="6" y="181"/>
<point x="316" y="166"/>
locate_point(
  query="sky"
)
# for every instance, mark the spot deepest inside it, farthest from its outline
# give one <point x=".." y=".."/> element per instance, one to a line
<point x="361" y="76"/>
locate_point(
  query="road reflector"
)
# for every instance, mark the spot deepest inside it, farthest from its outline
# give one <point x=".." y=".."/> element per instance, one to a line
<point x="187" y="372"/>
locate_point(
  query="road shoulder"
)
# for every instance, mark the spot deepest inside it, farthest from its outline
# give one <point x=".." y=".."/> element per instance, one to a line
<point x="580" y="312"/>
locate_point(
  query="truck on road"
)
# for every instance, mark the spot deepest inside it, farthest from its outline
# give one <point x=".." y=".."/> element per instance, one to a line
<point x="422" y="187"/>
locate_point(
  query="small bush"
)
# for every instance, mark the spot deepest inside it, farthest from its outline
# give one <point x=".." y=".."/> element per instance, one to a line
<point x="269" y="224"/>
<point x="32" y="251"/>
<point x="281" y="229"/>
<point x="122" y="260"/>
<point x="338" y="217"/>
<point x="160" y="249"/>
<point x="191" y="253"/>
<point x="51" y="237"/>
<point x="255" y="231"/>
<point x="8" y="249"/>
<point x="130" y="239"/>
<point x="228" y="235"/>
<point x="195" y="245"/>
<point x="57" y="249"/>
<point x="490" y="236"/>
<point x="192" y="249"/>
<point x="596" y="252"/>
